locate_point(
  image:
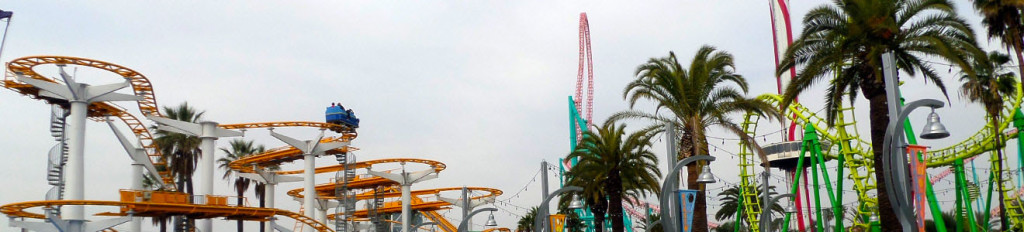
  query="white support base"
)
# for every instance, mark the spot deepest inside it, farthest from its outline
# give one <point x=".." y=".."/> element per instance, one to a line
<point x="53" y="224"/>
<point x="275" y="226"/>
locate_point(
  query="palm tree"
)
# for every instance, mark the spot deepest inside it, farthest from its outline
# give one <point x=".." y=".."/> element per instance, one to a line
<point x="617" y="163"/>
<point x="181" y="151"/>
<point x="1002" y="19"/>
<point x="842" y="44"/>
<point x="573" y="223"/>
<point x="731" y="202"/>
<point x="992" y="81"/>
<point x="525" y="223"/>
<point x="239" y="149"/>
<point x="696" y="97"/>
<point x="730" y="227"/>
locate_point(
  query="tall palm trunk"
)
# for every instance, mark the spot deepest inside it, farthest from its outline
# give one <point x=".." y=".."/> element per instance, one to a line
<point x="163" y="225"/>
<point x="700" y="208"/>
<point x="691" y="146"/>
<point x="700" y="223"/>
<point x="879" y="116"/>
<point x="999" y="175"/>
<point x="263" y="204"/>
<point x="239" y="203"/>
<point x="190" y="222"/>
<point x="598" y="209"/>
<point x="176" y="222"/>
<point x="614" y="190"/>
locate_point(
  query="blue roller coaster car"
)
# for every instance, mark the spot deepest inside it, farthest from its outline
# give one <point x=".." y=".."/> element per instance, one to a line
<point x="338" y="115"/>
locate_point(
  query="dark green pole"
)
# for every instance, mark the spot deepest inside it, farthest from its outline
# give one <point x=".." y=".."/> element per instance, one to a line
<point x="961" y="187"/>
<point x="808" y="133"/>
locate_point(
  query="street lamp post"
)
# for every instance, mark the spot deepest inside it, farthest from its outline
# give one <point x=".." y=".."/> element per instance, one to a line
<point x="895" y="169"/>
<point x="669" y="218"/>
<point x="465" y="221"/>
<point x="766" y="215"/>
<point x="538" y="221"/>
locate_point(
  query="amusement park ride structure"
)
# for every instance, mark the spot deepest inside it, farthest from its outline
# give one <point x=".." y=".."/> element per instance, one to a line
<point x="73" y="102"/>
<point x="822" y="143"/>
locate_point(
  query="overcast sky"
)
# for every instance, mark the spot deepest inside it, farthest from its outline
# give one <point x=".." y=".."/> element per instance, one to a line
<point x="480" y="86"/>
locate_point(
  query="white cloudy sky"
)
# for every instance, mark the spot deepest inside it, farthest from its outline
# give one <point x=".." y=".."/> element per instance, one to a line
<point x="480" y="86"/>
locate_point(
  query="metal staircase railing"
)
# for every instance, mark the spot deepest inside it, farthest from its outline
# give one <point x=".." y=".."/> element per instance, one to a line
<point x="378" y="202"/>
<point x="346" y="199"/>
<point x="58" y="155"/>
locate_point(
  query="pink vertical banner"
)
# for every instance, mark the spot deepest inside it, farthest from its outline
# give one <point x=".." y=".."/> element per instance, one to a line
<point x="917" y="156"/>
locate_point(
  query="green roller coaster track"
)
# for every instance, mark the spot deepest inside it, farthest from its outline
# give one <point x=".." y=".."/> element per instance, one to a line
<point x="577" y="123"/>
<point x="855" y="156"/>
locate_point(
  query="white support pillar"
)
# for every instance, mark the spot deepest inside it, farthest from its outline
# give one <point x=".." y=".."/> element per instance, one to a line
<point x="137" y="168"/>
<point x="322" y="205"/>
<point x="321" y="215"/>
<point x="406" y="206"/>
<point x="79" y="96"/>
<point x="406" y="179"/>
<point x="208" y="132"/>
<point x="310" y="149"/>
<point x="207" y="146"/>
<point x="270" y="204"/>
<point x="75" y="185"/>
<point x="309" y="185"/>
<point x="466" y="203"/>
<point x="271" y="179"/>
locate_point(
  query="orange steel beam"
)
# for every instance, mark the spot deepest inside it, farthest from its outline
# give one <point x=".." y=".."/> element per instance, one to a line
<point x="418" y="203"/>
<point x="395" y="208"/>
<point x="147" y="209"/>
<point x="97" y="110"/>
<point x="347" y="132"/>
<point x="440" y="220"/>
<point x="147" y="104"/>
<point x="327" y="190"/>
<point x="502" y="229"/>
<point x="282" y="155"/>
<point x="438" y="166"/>
<point x="393" y="192"/>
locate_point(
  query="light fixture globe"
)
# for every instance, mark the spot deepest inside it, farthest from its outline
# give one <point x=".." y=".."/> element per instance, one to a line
<point x="490" y="220"/>
<point x="705" y="176"/>
<point x="934" y="129"/>
<point x="576" y="203"/>
<point x="791" y="208"/>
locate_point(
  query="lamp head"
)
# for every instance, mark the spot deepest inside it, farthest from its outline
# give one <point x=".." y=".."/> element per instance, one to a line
<point x="791" y="208"/>
<point x="705" y="176"/>
<point x="934" y="129"/>
<point x="490" y="220"/>
<point x="576" y="203"/>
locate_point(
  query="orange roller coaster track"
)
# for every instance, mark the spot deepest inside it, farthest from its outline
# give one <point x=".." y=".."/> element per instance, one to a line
<point x="348" y="132"/>
<point x="98" y="110"/>
<point x="327" y="190"/>
<point x="150" y="209"/>
<point x="282" y="155"/>
<point x="101" y="111"/>
<point x="428" y="208"/>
